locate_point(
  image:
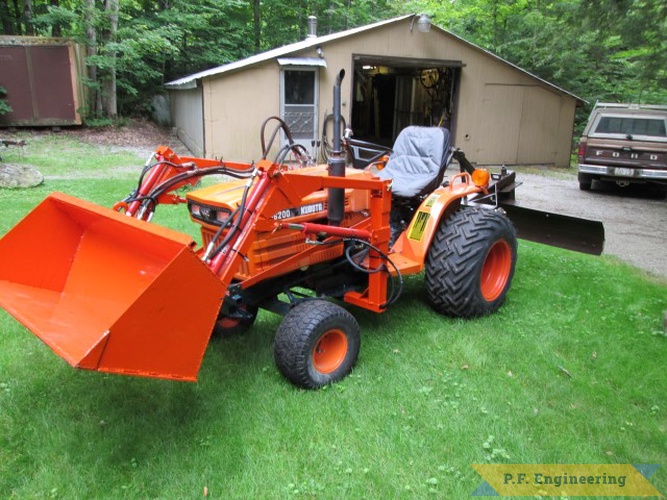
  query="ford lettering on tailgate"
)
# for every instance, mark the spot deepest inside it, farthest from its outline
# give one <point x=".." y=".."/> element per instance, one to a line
<point x="626" y="153"/>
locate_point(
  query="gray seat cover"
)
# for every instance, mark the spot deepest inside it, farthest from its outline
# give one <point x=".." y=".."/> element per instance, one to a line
<point x="415" y="163"/>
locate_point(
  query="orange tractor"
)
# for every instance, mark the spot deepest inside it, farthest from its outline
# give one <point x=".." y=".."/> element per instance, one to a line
<point x="109" y="291"/>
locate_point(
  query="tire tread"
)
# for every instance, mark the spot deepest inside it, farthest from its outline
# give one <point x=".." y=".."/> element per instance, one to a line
<point x="455" y="258"/>
<point x="294" y="342"/>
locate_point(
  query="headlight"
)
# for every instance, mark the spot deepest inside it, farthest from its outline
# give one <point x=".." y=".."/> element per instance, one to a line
<point x="209" y="214"/>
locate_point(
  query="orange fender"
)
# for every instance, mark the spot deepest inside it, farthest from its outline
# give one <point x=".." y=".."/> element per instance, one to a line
<point x="411" y="248"/>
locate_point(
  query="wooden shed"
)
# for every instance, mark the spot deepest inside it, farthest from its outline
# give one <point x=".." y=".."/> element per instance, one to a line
<point x="399" y="72"/>
<point x="42" y="79"/>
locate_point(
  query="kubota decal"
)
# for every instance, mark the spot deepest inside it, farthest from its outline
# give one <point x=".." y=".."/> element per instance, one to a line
<point x="419" y="226"/>
<point x="295" y="212"/>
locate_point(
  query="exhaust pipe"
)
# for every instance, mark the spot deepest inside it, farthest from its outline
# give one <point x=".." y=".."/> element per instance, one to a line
<point x="336" y="162"/>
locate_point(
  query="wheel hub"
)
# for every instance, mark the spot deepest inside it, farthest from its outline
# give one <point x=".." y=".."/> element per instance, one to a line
<point x="496" y="270"/>
<point x="329" y="351"/>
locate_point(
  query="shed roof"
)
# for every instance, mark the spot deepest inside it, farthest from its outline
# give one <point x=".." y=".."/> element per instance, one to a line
<point x="190" y="81"/>
<point x="29" y="41"/>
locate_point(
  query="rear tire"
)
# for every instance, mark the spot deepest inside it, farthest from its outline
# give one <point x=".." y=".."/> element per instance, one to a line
<point x="471" y="262"/>
<point x="316" y="344"/>
<point x="585" y="182"/>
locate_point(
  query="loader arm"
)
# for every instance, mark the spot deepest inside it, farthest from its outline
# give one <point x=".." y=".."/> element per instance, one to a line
<point x="164" y="173"/>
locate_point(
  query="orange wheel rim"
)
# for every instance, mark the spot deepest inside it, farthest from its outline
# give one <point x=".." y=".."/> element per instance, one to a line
<point x="227" y="322"/>
<point x="329" y="351"/>
<point x="496" y="270"/>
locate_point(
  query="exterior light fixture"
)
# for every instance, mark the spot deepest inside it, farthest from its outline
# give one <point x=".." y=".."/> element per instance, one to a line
<point x="423" y="23"/>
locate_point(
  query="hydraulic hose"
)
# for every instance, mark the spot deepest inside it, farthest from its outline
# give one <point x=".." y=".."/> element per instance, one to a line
<point x="236" y="216"/>
<point x="165" y="186"/>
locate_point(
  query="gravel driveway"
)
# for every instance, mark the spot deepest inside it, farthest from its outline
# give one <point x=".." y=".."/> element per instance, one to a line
<point x="635" y="219"/>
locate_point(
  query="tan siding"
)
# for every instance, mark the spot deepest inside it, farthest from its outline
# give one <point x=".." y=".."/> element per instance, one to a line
<point x="186" y="112"/>
<point x="235" y="107"/>
<point x="524" y="125"/>
<point x="565" y="131"/>
<point x="490" y="108"/>
<point x="501" y="110"/>
<point x="539" y="126"/>
<point x="536" y="124"/>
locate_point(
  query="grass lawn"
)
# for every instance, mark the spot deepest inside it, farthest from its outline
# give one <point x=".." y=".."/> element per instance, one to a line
<point x="570" y="370"/>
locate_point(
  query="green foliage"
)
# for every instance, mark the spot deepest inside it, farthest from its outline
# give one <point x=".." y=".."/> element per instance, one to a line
<point x="286" y="21"/>
<point x="56" y="15"/>
<point x="4" y="107"/>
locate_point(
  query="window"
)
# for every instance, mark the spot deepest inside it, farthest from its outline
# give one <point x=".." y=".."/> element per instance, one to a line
<point x="625" y="125"/>
<point x="299" y="99"/>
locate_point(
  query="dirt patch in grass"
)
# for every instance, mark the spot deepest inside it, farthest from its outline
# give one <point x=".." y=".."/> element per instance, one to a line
<point x="141" y="136"/>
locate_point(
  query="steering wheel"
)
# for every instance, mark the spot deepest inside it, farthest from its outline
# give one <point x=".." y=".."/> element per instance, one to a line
<point x="356" y="147"/>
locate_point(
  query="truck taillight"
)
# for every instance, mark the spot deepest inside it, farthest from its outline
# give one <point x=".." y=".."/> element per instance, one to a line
<point x="581" y="152"/>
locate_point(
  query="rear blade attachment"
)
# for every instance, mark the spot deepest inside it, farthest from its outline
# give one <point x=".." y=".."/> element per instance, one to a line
<point x="563" y="231"/>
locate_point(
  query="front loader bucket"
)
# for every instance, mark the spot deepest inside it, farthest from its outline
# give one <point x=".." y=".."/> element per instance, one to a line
<point x="107" y="292"/>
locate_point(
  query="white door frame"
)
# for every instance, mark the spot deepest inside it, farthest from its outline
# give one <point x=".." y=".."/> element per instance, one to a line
<point x="302" y="118"/>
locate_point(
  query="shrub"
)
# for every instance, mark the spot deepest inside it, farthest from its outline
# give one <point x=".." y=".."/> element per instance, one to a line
<point x="4" y="107"/>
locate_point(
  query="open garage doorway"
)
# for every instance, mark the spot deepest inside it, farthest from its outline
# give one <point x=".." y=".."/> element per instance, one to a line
<point x="390" y="93"/>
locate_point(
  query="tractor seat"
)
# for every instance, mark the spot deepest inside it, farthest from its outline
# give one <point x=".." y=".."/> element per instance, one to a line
<point x="418" y="162"/>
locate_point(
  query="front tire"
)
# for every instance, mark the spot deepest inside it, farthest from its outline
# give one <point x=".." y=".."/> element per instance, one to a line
<point x="230" y="326"/>
<point x="316" y="344"/>
<point x="471" y="262"/>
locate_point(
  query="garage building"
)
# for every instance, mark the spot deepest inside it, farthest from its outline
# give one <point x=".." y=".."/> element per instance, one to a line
<point x="400" y="72"/>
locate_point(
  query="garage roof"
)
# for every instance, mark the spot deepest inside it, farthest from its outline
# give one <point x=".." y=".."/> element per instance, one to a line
<point x="191" y="81"/>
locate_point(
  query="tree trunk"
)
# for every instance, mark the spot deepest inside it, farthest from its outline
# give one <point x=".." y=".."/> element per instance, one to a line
<point x="94" y="97"/>
<point x="111" y="110"/>
<point x="27" y="17"/>
<point x="17" y="17"/>
<point x="7" y="25"/>
<point x="55" y="29"/>
<point x="257" y="24"/>
<point x="495" y="25"/>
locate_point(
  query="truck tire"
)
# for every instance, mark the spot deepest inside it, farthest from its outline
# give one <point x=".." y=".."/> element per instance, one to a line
<point x="471" y="262"/>
<point x="316" y="344"/>
<point x="226" y="326"/>
<point x="585" y="182"/>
